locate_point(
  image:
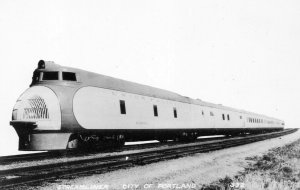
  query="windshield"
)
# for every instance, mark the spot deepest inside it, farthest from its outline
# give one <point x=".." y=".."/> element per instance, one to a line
<point x="69" y="76"/>
<point x="50" y="75"/>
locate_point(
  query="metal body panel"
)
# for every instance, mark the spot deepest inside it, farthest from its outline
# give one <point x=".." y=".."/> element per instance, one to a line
<point x="38" y="104"/>
<point x="62" y="110"/>
<point x="48" y="141"/>
<point x="98" y="108"/>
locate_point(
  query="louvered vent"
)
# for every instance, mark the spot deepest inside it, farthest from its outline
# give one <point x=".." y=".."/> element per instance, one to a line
<point x="36" y="109"/>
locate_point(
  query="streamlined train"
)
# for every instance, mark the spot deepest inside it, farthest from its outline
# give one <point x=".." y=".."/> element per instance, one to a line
<point x="68" y="108"/>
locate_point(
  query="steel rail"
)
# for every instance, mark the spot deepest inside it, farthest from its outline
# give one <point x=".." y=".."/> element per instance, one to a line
<point x="13" y="177"/>
<point x="5" y="160"/>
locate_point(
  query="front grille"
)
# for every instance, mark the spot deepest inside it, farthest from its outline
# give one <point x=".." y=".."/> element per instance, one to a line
<point x="36" y="108"/>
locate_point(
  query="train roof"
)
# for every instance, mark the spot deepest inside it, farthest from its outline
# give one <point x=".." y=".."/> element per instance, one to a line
<point x="107" y="82"/>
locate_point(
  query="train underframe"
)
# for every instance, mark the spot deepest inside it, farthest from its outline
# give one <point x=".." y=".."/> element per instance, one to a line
<point x="31" y="139"/>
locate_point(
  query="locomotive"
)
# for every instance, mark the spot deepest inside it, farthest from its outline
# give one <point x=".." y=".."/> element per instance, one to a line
<point x="69" y="108"/>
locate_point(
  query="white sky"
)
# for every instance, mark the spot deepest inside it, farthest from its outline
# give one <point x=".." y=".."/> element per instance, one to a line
<point x="243" y="54"/>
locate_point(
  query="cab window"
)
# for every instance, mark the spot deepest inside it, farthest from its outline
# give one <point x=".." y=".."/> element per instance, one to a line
<point x="69" y="76"/>
<point x="50" y="75"/>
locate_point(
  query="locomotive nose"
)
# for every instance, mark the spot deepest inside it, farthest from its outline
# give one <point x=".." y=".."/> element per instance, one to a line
<point x="38" y="107"/>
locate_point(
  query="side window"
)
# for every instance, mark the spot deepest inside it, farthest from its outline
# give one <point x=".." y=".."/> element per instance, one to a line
<point x="50" y="75"/>
<point x="223" y="116"/>
<point x="69" y="76"/>
<point x="228" y="117"/>
<point x="175" y="112"/>
<point x="155" y="110"/>
<point x="122" y="107"/>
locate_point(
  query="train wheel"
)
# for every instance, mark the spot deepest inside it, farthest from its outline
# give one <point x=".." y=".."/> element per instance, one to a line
<point x="186" y="137"/>
<point x="163" y="140"/>
<point x="119" y="144"/>
<point x="74" y="142"/>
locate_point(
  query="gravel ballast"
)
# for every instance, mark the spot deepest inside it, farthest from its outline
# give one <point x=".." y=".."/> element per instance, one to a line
<point x="184" y="173"/>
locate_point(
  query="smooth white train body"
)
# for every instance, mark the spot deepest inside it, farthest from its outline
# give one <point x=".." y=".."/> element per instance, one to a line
<point x="67" y="108"/>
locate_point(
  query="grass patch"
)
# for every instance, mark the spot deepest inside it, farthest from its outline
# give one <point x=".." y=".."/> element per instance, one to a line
<point x="279" y="169"/>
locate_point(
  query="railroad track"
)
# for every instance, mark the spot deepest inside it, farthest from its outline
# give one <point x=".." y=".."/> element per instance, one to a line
<point x="20" y="176"/>
<point x="5" y="160"/>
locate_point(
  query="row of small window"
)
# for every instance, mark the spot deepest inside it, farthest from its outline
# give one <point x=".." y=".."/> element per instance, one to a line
<point x="223" y="116"/>
<point x="254" y="120"/>
<point x="54" y="75"/>
<point x="155" y="109"/>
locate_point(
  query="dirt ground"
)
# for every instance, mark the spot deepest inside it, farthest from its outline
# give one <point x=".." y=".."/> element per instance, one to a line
<point x="184" y="173"/>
